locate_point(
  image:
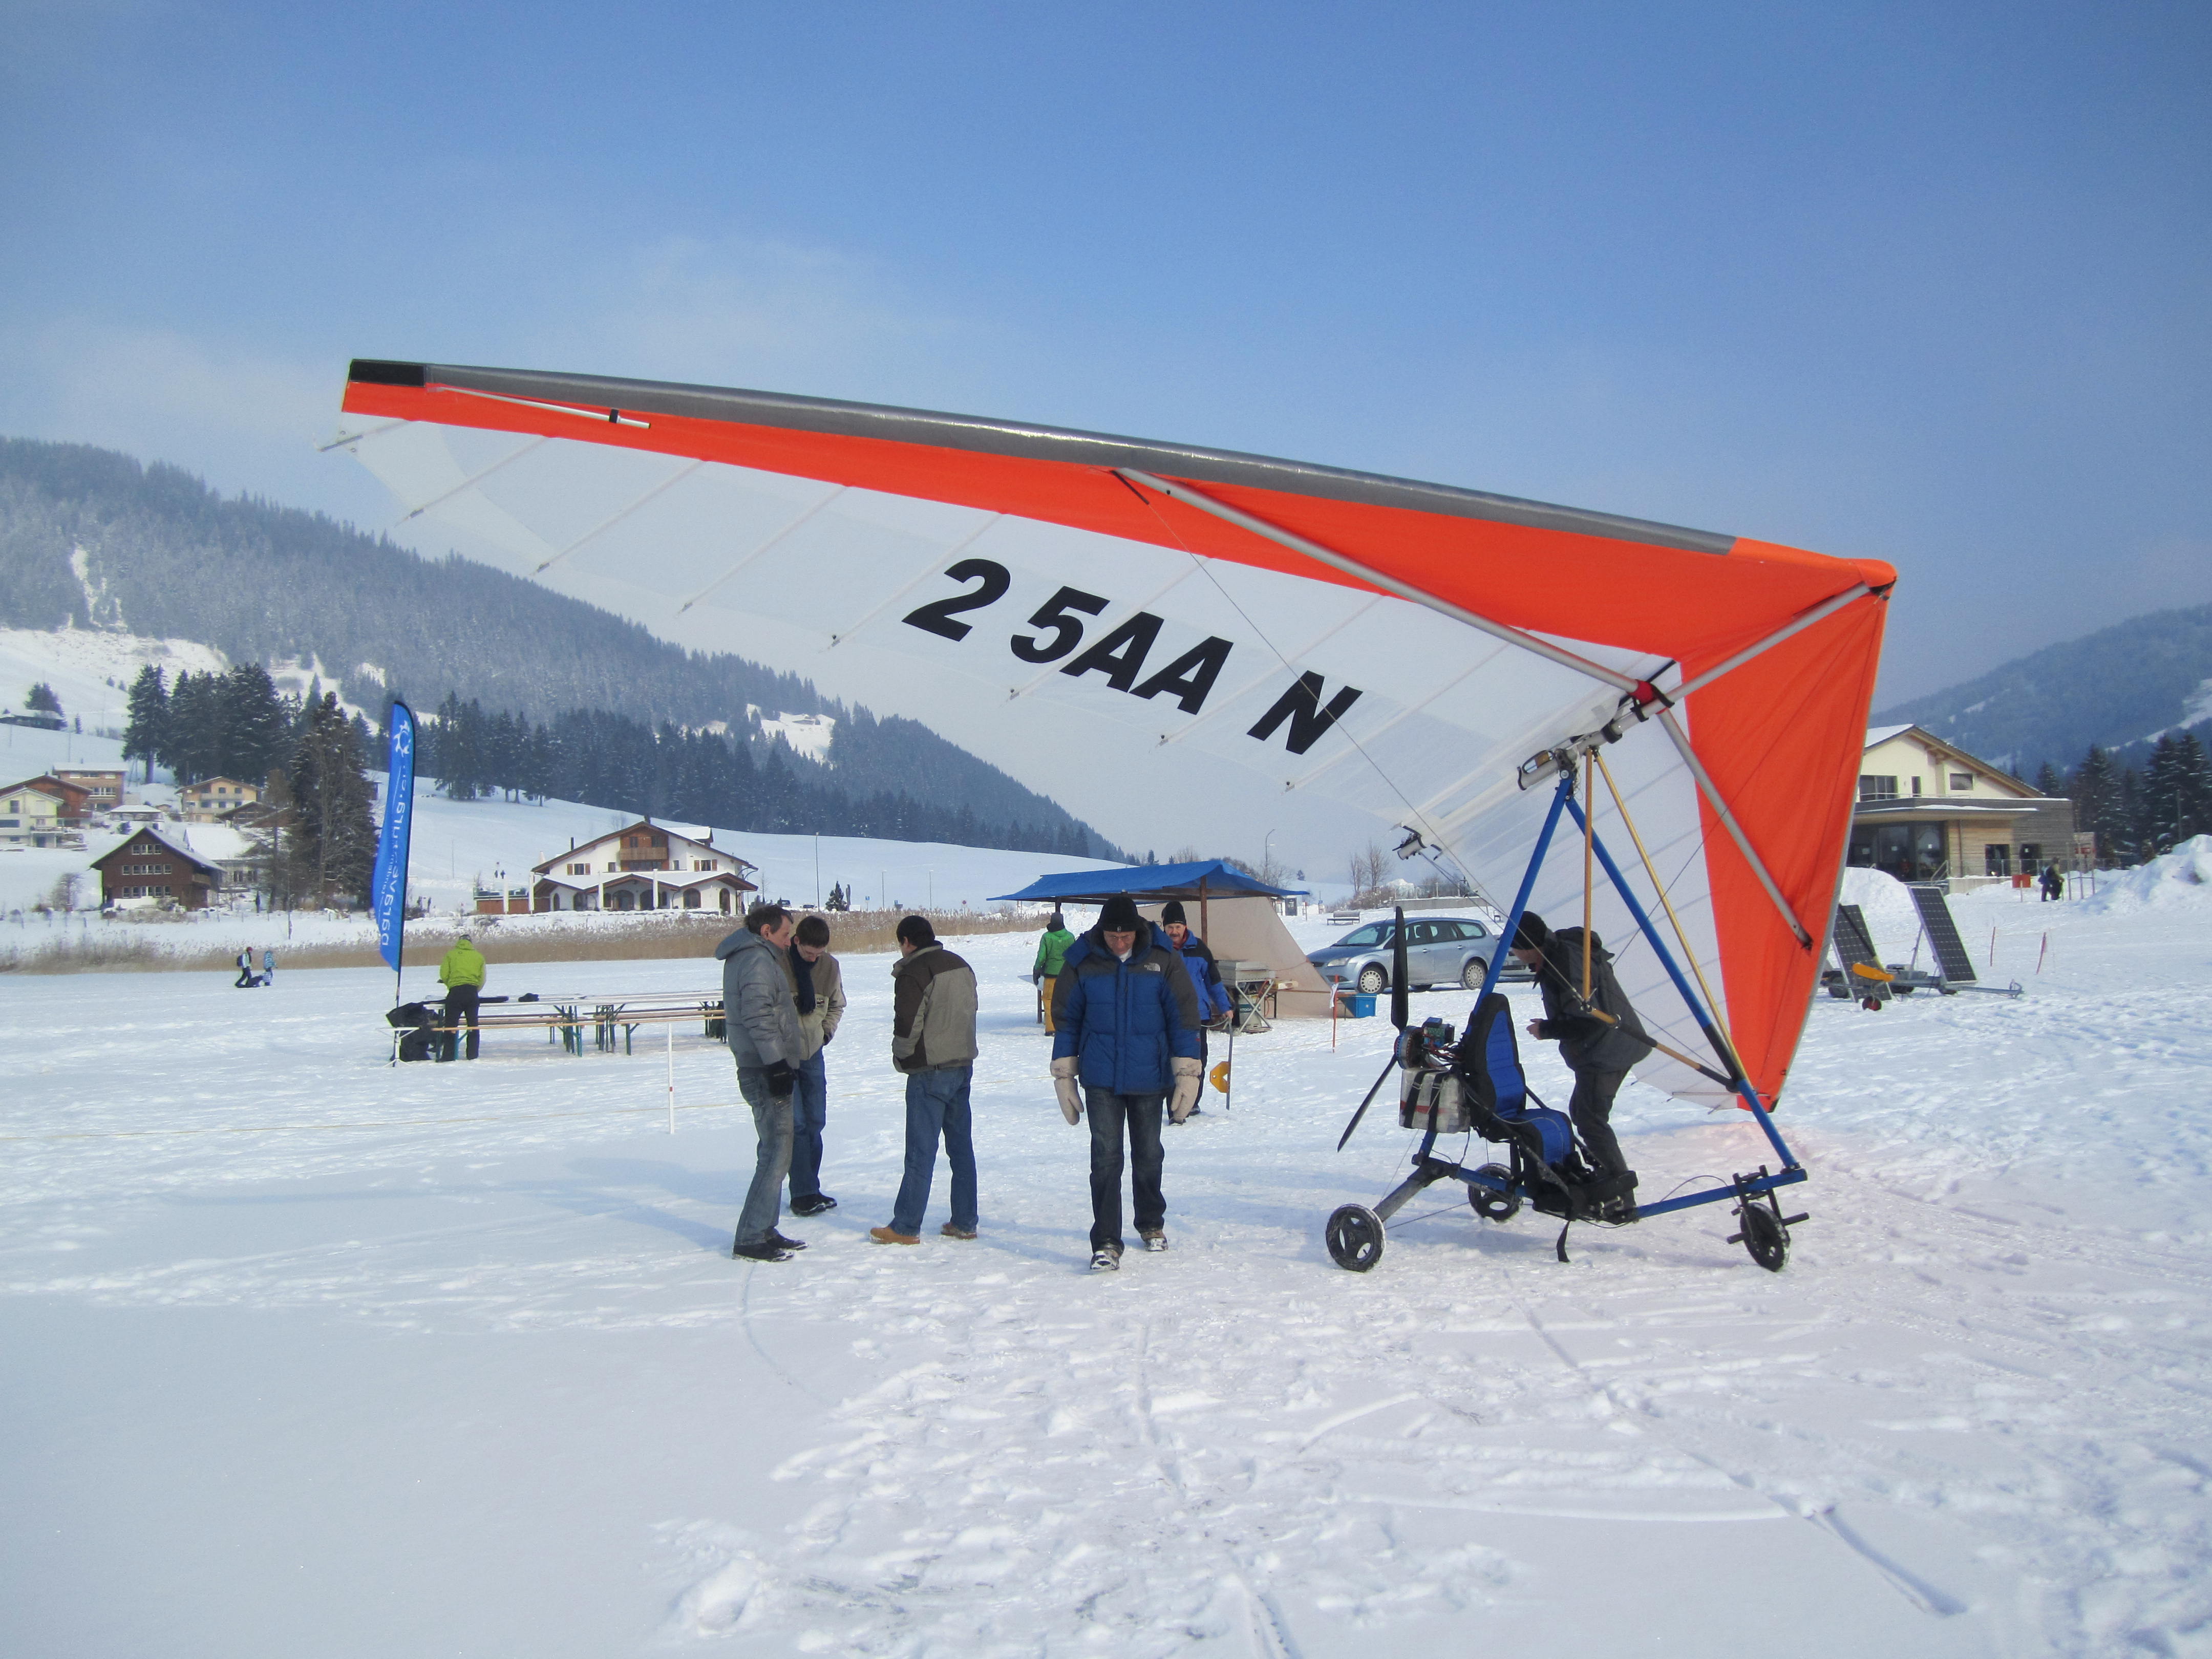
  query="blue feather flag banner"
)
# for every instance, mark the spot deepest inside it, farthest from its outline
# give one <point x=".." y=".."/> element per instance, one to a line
<point x="388" y="893"/>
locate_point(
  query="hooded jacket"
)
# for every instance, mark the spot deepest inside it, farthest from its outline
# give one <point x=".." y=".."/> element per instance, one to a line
<point x="1585" y="1043"/>
<point x="1052" y="952"/>
<point x="759" y="1020"/>
<point x="1124" y="1022"/>
<point x="462" y="965"/>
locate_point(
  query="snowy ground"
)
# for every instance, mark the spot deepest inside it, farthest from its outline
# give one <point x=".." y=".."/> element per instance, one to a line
<point x="458" y="1361"/>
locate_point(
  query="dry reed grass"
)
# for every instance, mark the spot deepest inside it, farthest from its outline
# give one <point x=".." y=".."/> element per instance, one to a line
<point x="503" y="939"/>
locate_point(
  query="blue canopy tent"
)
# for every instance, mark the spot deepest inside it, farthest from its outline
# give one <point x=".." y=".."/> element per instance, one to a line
<point x="1238" y="916"/>
<point x="1151" y="884"/>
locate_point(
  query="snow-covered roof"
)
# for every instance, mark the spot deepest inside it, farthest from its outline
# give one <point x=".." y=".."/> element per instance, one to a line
<point x="1884" y="733"/>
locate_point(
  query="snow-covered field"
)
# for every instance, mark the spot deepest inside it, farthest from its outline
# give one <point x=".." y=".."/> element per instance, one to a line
<point x="307" y="1354"/>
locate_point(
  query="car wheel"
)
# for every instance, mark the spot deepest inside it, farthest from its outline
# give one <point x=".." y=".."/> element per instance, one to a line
<point x="1471" y="976"/>
<point x="1372" y="979"/>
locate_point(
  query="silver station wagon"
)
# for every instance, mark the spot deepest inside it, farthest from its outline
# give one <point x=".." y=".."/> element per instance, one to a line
<point x="1439" y="950"/>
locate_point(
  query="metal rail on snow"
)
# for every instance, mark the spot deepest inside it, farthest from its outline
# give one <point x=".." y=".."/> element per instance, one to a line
<point x="1764" y="1229"/>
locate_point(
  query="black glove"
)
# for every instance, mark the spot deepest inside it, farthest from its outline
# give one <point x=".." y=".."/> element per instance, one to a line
<point x="781" y="1077"/>
<point x="826" y="1036"/>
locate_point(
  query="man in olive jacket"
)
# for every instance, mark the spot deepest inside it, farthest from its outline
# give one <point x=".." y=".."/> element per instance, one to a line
<point x="759" y="1020"/>
<point x="933" y="1042"/>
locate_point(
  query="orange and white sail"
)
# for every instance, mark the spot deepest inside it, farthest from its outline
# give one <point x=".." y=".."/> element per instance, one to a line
<point x="1398" y="649"/>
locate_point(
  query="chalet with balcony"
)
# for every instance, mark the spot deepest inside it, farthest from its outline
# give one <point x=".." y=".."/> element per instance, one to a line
<point x="1929" y="812"/>
<point x="645" y="866"/>
<point x="41" y="811"/>
<point x="148" y="866"/>
<point x="209" y="799"/>
<point x="103" y="789"/>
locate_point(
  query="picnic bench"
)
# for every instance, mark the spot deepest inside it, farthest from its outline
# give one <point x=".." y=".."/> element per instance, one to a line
<point x="611" y="1017"/>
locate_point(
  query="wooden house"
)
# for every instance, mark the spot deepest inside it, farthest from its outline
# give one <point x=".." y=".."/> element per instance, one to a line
<point x="150" y="866"/>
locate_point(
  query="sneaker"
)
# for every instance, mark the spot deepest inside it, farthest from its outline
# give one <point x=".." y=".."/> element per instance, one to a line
<point x="813" y="1204"/>
<point x="891" y="1235"/>
<point x="1155" y="1241"/>
<point x="766" y="1250"/>
<point x="783" y="1243"/>
<point x="954" y="1229"/>
<point x="1104" y="1262"/>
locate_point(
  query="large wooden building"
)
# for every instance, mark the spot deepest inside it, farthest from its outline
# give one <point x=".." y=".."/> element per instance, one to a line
<point x="644" y="866"/>
<point x="1928" y="811"/>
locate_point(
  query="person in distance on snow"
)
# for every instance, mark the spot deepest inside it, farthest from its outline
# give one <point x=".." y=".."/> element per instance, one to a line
<point x="461" y="971"/>
<point x="1600" y="1040"/>
<point x="934" y="1044"/>
<point x="1125" y="1037"/>
<point x="760" y="1022"/>
<point x="819" y="985"/>
<point x="1205" y="979"/>
<point x="245" y="971"/>
<point x="1051" y="952"/>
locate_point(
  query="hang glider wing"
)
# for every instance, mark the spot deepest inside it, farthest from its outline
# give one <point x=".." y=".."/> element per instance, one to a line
<point x="1396" y="649"/>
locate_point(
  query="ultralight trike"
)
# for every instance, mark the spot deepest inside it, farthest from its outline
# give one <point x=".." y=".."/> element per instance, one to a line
<point x="1451" y="1084"/>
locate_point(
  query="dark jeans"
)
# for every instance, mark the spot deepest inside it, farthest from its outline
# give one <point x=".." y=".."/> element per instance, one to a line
<point x="1109" y="1112"/>
<point x="1591" y="1108"/>
<point x="461" y="1005"/>
<point x="810" y="1110"/>
<point x="771" y="1156"/>
<point x="937" y="1109"/>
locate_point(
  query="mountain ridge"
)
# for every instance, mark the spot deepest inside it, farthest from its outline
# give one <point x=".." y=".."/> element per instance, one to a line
<point x="92" y="536"/>
<point x="2120" y="688"/>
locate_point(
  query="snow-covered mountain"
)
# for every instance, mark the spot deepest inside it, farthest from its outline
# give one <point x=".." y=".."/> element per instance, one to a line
<point x="2120" y="688"/>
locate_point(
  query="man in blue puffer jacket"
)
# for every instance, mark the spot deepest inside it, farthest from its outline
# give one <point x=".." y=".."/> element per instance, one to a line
<point x="1125" y="1027"/>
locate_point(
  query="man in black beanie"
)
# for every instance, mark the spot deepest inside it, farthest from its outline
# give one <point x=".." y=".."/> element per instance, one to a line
<point x="1124" y="1022"/>
<point x="1600" y="1040"/>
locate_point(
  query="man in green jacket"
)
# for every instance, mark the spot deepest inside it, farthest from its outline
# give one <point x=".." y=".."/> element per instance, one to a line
<point x="1051" y="956"/>
<point x="462" y="973"/>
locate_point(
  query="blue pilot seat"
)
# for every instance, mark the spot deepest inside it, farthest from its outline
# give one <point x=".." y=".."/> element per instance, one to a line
<point x="1496" y="1090"/>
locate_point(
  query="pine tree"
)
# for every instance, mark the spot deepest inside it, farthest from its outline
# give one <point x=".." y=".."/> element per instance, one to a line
<point x="334" y="834"/>
<point x="42" y="699"/>
<point x="145" y="730"/>
<point x="2049" y="779"/>
<point x="2095" y="789"/>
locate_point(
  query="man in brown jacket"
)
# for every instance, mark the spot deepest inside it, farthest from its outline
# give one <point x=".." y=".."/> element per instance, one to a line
<point x="818" y="986"/>
<point x="933" y="1042"/>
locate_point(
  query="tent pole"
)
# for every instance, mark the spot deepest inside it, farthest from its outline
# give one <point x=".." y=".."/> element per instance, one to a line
<point x="1350" y="567"/>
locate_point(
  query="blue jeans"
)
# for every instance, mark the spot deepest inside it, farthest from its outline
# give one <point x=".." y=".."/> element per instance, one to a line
<point x="810" y="1110"/>
<point x="937" y="1109"/>
<point x="771" y="1156"/>
<point x="1108" y="1112"/>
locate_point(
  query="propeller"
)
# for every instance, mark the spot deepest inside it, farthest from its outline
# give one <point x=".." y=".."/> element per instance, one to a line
<point x="1400" y="992"/>
<point x="1400" y="1012"/>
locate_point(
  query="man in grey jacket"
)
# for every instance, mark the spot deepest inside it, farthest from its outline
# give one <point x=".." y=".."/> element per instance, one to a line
<point x="933" y="1042"/>
<point x="760" y="1023"/>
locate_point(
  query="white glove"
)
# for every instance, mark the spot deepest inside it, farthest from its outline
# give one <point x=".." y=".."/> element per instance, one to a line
<point x="1186" y="1080"/>
<point x="1063" y="1084"/>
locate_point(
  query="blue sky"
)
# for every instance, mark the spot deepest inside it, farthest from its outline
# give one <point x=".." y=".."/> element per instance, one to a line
<point x="1924" y="284"/>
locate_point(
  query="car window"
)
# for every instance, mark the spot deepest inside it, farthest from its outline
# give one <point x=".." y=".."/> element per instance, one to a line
<point x="1423" y="933"/>
<point x="1376" y="933"/>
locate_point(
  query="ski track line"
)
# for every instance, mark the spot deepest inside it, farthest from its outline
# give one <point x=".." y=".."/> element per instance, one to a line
<point x="1912" y="1589"/>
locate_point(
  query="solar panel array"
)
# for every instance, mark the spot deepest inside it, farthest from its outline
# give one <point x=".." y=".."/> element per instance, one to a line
<point x="1854" y="946"/>
<point x="1943" y="934"/>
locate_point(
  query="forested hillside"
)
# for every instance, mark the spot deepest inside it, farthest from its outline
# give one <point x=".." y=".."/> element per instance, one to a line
<point x="2116" y="688"/>
<point x="163" y="555"/>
